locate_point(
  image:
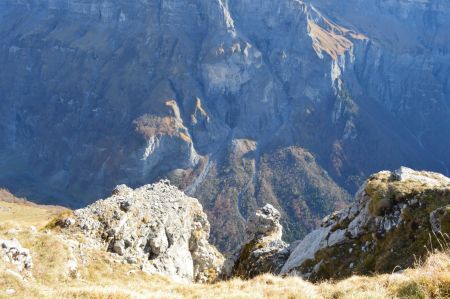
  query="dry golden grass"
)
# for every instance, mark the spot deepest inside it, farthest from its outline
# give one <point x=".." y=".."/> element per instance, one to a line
<point x="99" y="276"/>
<point x="21" y="211"/>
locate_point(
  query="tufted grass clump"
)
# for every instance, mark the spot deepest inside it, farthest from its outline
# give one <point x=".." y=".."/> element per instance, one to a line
<point x="58" y="220"/>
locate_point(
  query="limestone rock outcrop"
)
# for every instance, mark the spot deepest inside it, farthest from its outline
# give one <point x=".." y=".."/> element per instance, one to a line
<point x="397" y="217"/>
<point x="264" y="251"/>
<point x="11" y="251"/>
<point x="157" y="226"/>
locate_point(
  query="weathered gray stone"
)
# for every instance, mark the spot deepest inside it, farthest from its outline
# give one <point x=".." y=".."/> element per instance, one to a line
<point x="438" y="218"/>
<point x="11" y="251"/>
<point x="264" y="251"/>
<point x="155" y="225"/>
<point x="264" y="223"/>
<point x="119" y="247"/>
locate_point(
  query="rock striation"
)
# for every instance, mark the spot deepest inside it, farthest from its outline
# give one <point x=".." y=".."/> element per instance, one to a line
<point x="156" y="226"/>
<point x="396" y="219"/>
<point x="264" y="252"/>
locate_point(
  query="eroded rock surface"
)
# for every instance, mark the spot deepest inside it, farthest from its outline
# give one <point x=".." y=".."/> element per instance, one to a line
<point x="156" y="226"/>
<point x="397" y="217"/>
<point x="264" y="251"/>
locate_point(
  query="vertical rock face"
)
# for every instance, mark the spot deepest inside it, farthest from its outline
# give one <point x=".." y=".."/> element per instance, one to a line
<point x="157" y="226"/>
<point x="397" y="218"/>
<point x="238" y="102"/>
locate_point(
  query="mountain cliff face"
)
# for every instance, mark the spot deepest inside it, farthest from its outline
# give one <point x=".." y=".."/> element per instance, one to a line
<point x="239" y="103"/>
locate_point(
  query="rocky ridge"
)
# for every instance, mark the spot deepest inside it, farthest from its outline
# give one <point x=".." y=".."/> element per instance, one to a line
<point x="64" y="266"/>
<point x="397" y="218"/>
<point x="156" y="227"/>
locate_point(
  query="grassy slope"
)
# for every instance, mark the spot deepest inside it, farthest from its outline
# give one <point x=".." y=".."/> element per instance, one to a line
<point x="24" y="212"/>
<point x="101" y="277"/>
